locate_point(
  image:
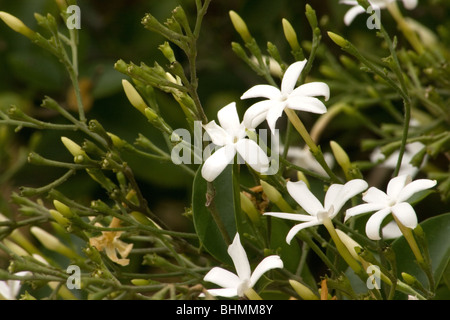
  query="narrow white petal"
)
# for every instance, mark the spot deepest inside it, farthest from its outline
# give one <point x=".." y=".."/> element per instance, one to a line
<point x="405" y="213"/>
<point x="229" y="118"/>
<point x="374" y="195"/>
<point x="217" y="162"/>
<point x="297" y="228"/>
<point x="363" y="208"/>
<point x="253" y="155"/>
<point x="374" y="223"/>
<point x="308" y="104"/>
<point x="223" y="278"/>
<point x="410" y="4"/>
<point x="217" y="134"/>
<point x="268" y="263"/>
<point x="352" y="13"/>
<point x="274" y="114"/>
<point x="227" y="293"/>
<point x="391" y="231"/>
<point x="262" y="91"/>
<point x="291" y="75"/>
<point x="239" y="257"/>
<point x="290" y="216"/>
<point x="396" y="185"/>
<point x="337" y="195"/>
<point x="304" y="197"/>
<point x="411" y="188"/>
<point x="312" y="89"/>
<point x="257" y="113"/>
<point x="5" y="291"/>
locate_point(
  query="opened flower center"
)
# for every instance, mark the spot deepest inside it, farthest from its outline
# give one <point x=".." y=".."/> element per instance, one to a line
<point x="243" y="287"/>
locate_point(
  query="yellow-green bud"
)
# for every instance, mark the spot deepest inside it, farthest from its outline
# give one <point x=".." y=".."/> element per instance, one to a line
<point x="15" y="248"/>
<point x="134" y="97"/>
<point x="117" y="142"/>
<point x="51" y="242"/>
<point x="73" y="148"/>
<point x="140" y="282"/>
<point x="341" y="156"/>
<point x="59" y="218"/>
<point x="301" y="177"/>
<point x="167" y="51"/>
<point x="303" y="291"/>
<point x="290" y="35"/>
<point x="349" y="243"/>
<point x="341" y="42"/>
<point x="17" y="25"/>
<point x="240" y="26"/>
<point x="150" y="114"/>
<point x="63" y="209"/>
<point x="275" y="196"/>
<point x="409" y="279"/>
<point x="249" y="208"/>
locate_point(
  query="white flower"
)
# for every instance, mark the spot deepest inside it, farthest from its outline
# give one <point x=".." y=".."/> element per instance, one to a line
<point x="335" y="198"/>
<point x="10" y="289"/>
<point x="303" y="157"/>
<point x="399" y="190"/>
<point x="406" y="167"/>
<point x="230" y="136"/>
<point x="300" y="98"/>
<point x="381" y="4"/>
<point x="236" y="285"/>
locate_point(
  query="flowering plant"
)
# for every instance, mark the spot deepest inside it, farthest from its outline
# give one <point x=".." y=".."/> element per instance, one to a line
<point x="124" y="186"/>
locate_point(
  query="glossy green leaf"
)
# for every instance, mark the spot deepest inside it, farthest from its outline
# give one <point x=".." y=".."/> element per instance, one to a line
<point x="437" y="231"/>
<point x="205" y="225"/>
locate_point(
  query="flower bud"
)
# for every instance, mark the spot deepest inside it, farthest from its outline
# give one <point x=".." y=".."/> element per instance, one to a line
<point x="140" y="282"/>
<point x="15" y="248"/>
<point x="249" y="208"/>
<point x="409" y="279"/>
<point x="301" y="177"/>
<point x="134" y="97"/>
<point x="275" y="196"/>
<point x="51" y="242"/>
<point x="63" y="209"/>
<point x="73" y="148"/>
<point x="341" y="42"/>
<point x="59" y="218"/>
<point x="303" y="291"/>
<point x="290" y="35"/>
<point x="311" y="16"/>
<point x="341" y="156"/>
<point x="349" y="243"/>
<point x="240" y="26"/>
<point x="17" y="25"/>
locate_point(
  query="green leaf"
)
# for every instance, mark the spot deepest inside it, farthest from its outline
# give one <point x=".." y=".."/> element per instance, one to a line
<point x="437" y="230"/>
<point x="204" y="223"/>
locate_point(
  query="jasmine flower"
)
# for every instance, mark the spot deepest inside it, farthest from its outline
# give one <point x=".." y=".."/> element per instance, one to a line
<point x="300" y="98"/>
<point x="10" y="289"/>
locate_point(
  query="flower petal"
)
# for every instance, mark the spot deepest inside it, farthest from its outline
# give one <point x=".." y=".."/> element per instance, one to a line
<point x="307" y="104"/>
<point x="352" y="13"/>
<point x="396" y="185"/>
<point x="217" y="134"/>
<point x="374" y="223"/>
<point x="411" y="188"/>
<point x="291" y="75"/>
<point x="410" y="4"/>
<point x="304" y="197"/>
<point x="268" y="263"/>
<point x="296" y="229"/>
<point x="227" y="293"/>
<point x="253" y="155"/>
<point x="262" y="91"/>
<point x="217" y="162"/>
<point x="337" y="195"/>
<point x="312" y="89"/>
<point x="239" y="257"/>
<point x="363" y="208"/>
<point x="391" y="231"/>
<point x="274" y="114"/>
<point x="405" y="213"/>
<point x="374" y="195"/>
<point x="290" y="216"/>
<point x="223" y="278"/>
<point x="229" y="119"/>
<point x="257" y="113"/>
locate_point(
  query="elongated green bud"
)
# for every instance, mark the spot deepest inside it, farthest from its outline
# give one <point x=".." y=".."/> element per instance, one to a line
<point x="240" y="26"/>
<point x="17" y="25"/>
<point x="63" y="209"/>
<point x="290" y="35"/>
<point x="349" y="243"/>
<point x="341" y="42"/>
<point x="73" y="148"/>
<point x="134" y="97"/>
<point x="59" y="218"/>
<point x="303" y="291"/>
<point x="341" y="156"/>
<point x="249" y="208"/>
<point x="275" y="196"/>
<point x="51" y="242"/>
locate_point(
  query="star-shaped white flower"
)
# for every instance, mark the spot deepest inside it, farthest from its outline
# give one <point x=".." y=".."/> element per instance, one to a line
<point x="399" y="190"/>
<point x="300" y="98"/>
<point x="237" y="284"/>
<point x="335" y="198"/>
<point x="230" y="136"/>
<point x="381" y="4"/>
<point x="9" y="289"/>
